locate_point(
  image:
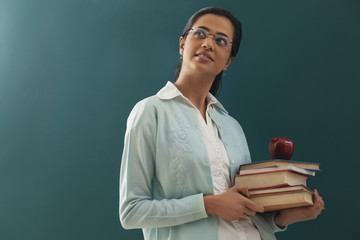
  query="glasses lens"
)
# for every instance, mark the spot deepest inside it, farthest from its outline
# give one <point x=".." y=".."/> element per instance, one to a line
<point x="221" y="40"/>
<point x="199" y="33"/>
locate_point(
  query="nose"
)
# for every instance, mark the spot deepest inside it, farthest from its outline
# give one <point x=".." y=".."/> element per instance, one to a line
<point x="208" y="43"/>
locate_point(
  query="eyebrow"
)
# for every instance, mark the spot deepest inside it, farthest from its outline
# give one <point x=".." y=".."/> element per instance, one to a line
<point x="218" y="33"/>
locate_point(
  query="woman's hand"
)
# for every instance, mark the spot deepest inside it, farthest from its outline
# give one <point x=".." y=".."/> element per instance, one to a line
<point x="232" y="204"/>
<point x="292" y="215"/>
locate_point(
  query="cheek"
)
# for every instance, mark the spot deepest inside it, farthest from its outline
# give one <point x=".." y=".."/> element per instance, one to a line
<point x="224" y="60"/>
<point x="189" y="48"/>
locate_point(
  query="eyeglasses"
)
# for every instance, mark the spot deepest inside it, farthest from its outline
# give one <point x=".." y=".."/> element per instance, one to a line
<point x="220" y="40"/>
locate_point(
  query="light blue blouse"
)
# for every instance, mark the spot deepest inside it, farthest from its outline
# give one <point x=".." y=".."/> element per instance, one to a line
<point x="165" y="171"/>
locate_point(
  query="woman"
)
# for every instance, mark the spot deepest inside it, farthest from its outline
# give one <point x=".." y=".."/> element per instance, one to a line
<point x="182" y="150"/>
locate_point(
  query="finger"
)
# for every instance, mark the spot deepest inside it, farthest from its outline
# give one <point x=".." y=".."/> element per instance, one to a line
<point x="244" y="190"/>
<point x="242" y="215"/>
<point x="249" y="212"/>
<point x="318" y="198"/>
<point x="321" y="205"/>
<point x="253" y="206"/>
<point x="316" y="194"/>
<point x="318" y="203"/>
<point x="318" y="207"/>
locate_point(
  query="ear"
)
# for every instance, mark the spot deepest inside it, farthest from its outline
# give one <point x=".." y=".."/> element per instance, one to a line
<point x="181" y="47"/>
<point x="228" y="63"/>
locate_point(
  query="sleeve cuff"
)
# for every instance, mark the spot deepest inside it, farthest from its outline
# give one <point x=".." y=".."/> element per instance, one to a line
<point x="270" y="219"/>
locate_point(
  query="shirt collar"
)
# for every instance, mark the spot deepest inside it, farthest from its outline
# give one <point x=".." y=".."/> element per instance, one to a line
<point x="170" y="91"/>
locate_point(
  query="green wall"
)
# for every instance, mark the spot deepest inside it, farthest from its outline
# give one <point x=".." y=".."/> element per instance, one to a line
<point x="71" y="70"/>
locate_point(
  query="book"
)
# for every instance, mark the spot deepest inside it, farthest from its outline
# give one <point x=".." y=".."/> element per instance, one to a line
<point x="273" y="199"/>
<point x="289" y="167"/>
<point x="267" y="190"/>
<point x="280" y="162"/>
<point x="270" y="179"/>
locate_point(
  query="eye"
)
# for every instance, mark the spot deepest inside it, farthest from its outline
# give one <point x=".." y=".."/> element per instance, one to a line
<point x="221" y="41"/>
<point x="200" y="33"/>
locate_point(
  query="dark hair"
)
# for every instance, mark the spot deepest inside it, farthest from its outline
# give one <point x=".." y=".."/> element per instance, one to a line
<point x="235" y="45"/>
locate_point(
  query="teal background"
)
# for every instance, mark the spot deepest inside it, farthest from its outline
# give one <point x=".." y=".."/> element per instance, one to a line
<point x="71" y="71"/>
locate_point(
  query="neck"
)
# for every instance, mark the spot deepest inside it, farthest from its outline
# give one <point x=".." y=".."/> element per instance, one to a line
<point x="195" y="88"/>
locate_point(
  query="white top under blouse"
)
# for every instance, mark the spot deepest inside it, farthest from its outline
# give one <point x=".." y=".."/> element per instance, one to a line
<point x="242" y="229"/>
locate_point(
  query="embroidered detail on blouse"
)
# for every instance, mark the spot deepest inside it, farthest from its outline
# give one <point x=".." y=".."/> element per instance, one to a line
<point x="179" y="144"/>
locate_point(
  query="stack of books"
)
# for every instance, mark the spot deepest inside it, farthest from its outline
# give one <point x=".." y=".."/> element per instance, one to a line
<point x="278" y="184"/>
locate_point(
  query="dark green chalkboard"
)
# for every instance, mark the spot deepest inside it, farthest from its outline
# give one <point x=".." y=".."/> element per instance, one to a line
<point x="71" y="70"/>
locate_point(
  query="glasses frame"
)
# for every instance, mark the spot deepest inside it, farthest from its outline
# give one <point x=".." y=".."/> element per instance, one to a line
<point x="213" y="35"/>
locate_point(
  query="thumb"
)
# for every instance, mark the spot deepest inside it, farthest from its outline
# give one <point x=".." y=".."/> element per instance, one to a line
<point x="243" y="190"/>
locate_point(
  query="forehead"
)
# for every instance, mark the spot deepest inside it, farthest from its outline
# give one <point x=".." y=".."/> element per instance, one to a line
<point x="216" y="24"/>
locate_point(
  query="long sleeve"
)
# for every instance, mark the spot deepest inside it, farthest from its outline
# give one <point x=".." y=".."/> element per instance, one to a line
<point x="138" y="208"/>
<point x="269" y="218"/>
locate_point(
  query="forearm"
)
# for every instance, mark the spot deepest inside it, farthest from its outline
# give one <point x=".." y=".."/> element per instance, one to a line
<point x="162" y="213"/>
<point x="210" y="204"/>
<point x="292" y="215"/>
<point x="282" y="219"/>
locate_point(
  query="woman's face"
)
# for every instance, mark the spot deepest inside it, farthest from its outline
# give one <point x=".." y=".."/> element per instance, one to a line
<point x="205" y="55"/>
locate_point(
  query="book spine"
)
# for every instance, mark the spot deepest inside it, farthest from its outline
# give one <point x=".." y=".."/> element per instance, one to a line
<point x="271" y="172"/>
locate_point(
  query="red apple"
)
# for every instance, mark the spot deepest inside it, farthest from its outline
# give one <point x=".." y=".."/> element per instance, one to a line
<point x="281" y="148"/>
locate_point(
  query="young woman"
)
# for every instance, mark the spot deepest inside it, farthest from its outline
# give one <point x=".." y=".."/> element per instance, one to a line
<point x="182" y="150"/>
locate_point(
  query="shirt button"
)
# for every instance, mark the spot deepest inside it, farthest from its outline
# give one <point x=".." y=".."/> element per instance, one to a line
<point x="219" y="164"/>
<point x="222" y="184"/>
<point x="219" y="174"/>
<point x="219" y="127"/>
<point x="225" y="143"/>
<point x="232" y="161"/>
<point x="217" y="150"/>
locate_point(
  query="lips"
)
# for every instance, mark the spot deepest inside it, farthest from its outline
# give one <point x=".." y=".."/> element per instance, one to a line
<point x="204" y="55"/>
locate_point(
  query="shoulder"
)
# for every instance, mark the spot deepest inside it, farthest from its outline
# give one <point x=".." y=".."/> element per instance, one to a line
<point x="144" y="110"/>
<point x="225" y="116"/>
<point x="146" y="106"/>
<point x="228" y="123"/>
<point x="234" y="122"/>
